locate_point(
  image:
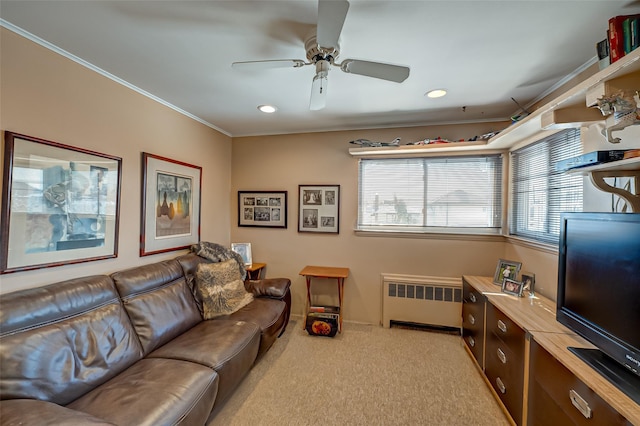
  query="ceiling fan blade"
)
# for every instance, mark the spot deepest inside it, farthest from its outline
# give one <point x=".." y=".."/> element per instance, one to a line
<point x="265" y="65"/>
<point x="389" y="72"/>
<point x="319" y="92"/>
<point x="331" y="16"/>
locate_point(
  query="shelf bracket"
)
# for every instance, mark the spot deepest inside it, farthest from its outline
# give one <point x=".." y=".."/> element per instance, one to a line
<point x="597" y="178"/>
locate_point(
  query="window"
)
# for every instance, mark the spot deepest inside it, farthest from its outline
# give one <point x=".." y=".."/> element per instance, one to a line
<point x="539" y="192"/>
<point x="431" y="194"/>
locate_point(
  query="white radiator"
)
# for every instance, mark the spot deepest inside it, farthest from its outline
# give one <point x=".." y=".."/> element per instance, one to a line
<point x="421" y="299"/>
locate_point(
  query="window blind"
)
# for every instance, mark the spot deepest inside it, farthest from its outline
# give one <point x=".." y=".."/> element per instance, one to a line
<point x="539" y="192"/>
<point x="423" y="194"/>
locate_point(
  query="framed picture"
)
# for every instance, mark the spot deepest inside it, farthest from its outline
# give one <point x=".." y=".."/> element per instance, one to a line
<point x="506" y="269"/>
<point x="266" y="209"/>
<point x="60" y="204"/>
<point x="512" y="286"/>
<point x="244" y="250"/>
<point x="319" y="208"/>
<point x="528" y="282"/>
<point x="170" y="205"/>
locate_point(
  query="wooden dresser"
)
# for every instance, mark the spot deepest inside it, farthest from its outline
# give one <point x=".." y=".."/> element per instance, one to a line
<point x="522" y="351"/>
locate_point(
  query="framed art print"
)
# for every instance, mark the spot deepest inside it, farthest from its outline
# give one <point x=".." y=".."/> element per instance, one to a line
<point x="170" y="205"/>
<point x="60" y="204"/>
<point x="267" y="209"/>
<point x="319" y="208"/>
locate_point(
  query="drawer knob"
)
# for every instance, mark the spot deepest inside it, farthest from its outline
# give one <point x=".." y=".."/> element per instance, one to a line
<point x="501" y="387"/>
<point x="472" y="341"/>
<point x="502" y="356"/>
<point x="472" y="319"/>
<point x="580" y="403"/>
<point x="472" y="297"/>
<point x="502" y="326"/>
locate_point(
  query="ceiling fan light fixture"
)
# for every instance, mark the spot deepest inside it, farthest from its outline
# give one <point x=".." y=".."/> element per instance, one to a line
<point x="267" y="109"/>
<point x="437" y="93"/>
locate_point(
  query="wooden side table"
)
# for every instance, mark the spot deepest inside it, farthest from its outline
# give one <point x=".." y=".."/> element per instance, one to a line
<point x="339" y="274"/>
<point x="255" y="270"/>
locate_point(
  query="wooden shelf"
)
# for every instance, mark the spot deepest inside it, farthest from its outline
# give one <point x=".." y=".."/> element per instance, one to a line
<point x="620" y="74"/>
<point x="629" y="164"/>
<point x="408" y="150"/>
<point x="571" y="109"/>
<point x="629" y="167"/>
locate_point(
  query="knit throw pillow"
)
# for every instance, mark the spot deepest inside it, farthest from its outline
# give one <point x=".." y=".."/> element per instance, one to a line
<point x="219" y="287"/>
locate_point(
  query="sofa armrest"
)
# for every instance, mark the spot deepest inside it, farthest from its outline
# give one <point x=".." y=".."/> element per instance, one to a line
<point x="42" y="413"/>
<point x="276" y="288"/>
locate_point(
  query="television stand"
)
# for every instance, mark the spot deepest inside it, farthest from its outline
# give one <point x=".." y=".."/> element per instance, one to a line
<point x="619" y="376"/>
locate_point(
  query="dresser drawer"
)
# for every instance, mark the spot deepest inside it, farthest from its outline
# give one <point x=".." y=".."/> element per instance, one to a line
<point x="470" y="294"/>
<point x="473" y="330"/>
<point x="508" y="331"/>
<point x="552" y="387"/>
<point x="505" y="371"/>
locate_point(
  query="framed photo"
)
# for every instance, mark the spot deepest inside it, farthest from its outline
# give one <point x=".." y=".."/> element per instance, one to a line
<point x="244" y="250"/>
<point x="319" y="208"/>
<point x="511" y="286"/>
<point x="170" y="205"/>
<point x="267" y="209"/>
<point x="506" y="269"/>
<point x="60" y="204"/>
<point x="528" y="282"/>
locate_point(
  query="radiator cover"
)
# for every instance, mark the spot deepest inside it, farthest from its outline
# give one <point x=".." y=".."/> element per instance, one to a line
<point x="422" y="299"/>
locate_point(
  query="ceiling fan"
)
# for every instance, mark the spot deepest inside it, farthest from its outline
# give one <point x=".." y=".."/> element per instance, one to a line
<point x="323" y="49"/>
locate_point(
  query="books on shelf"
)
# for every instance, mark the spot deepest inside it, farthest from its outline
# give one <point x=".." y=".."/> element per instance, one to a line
<point x="602" y="47"/>
<point x="622" y="35"/>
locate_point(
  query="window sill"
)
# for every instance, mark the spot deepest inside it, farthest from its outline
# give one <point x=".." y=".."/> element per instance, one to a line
<point x="461" y="236"/>
<point x="536" y="245"/>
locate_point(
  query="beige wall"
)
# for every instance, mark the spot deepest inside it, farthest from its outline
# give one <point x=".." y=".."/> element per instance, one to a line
<point x="283" y="162"/>
<point x="45" y="95"/>
<point x="276" y="163"/>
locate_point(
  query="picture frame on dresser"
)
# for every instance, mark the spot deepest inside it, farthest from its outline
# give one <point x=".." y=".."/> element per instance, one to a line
<point x="511" y="286"/>
<point x="319" y="208"/>
<point x="528" y="282"/>
<point x="506" y="269"/>
<point x="170" y="218"/>
<point x="60" y="204"/>
<point x="262" y="209"/>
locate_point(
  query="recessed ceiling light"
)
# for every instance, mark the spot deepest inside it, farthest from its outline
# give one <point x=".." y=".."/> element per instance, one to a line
<point x="267" y="108"/>
<point x="438" y="93"/>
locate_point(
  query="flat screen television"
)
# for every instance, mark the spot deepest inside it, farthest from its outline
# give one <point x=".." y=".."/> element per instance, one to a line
<point x="599" y="292"/>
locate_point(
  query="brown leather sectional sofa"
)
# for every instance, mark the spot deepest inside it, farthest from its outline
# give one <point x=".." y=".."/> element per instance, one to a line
<point x="130" y="348"/>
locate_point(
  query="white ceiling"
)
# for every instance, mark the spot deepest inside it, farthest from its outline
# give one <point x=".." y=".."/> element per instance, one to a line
<point x="483" y="52"/>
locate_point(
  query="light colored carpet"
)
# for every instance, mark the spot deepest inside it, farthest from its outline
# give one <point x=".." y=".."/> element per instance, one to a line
<point x="368" y="375"/>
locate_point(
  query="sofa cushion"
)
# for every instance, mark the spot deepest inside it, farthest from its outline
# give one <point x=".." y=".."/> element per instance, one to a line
<point x="154" y="392"/>
<point x="268" y="314"/>
<point x="229" y="347"/>
<point x="158" y="301"/>
<point x="59" y="341"/>
<point x="32" y="412"/>
<point x="219" y="289"/>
